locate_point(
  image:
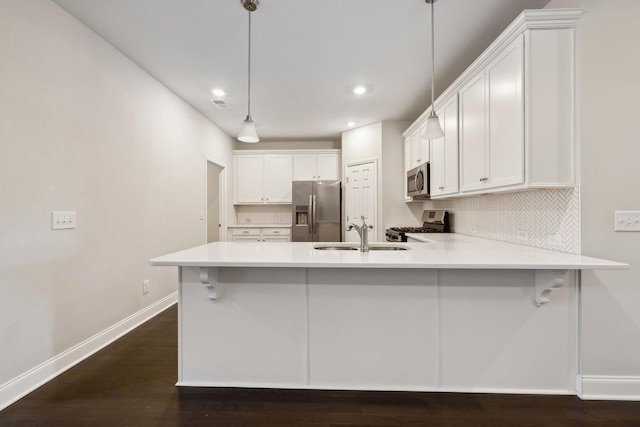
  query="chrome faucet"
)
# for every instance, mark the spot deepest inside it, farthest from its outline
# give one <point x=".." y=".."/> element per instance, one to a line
<point x="363" y="232"/>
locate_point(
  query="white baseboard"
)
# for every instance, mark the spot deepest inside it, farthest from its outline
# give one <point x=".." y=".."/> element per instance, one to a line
<point x="377" y="387"/>
<point x="603" y="387"/>
<point x="24" y="384"/>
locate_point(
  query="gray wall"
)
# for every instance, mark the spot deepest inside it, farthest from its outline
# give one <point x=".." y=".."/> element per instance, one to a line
<point x="82" y="128"/>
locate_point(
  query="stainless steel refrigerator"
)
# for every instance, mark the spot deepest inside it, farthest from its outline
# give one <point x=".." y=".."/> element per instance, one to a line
<point x="317" y="211"/>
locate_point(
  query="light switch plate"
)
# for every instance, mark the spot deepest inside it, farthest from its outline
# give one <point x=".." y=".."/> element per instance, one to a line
<point x="61" y="220"/>
<point x="626" y="221"/>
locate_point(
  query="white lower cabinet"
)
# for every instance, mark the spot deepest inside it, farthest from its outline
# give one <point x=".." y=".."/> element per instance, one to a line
<point x="266" y="234"/>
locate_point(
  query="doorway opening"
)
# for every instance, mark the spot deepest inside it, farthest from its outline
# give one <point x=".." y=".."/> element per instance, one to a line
<point x="215" y="203"/>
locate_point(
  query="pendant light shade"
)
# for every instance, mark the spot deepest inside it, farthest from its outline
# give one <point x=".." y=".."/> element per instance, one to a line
<point x="248" y="132"/>
<point x="434" y="130"/>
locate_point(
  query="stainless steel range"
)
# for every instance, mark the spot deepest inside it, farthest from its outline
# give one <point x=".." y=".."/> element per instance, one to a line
<point x="433" y="221"/>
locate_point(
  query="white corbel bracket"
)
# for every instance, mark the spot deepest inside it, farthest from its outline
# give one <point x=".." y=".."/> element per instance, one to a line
<point x="546" y="281"/>
<point x="206" y="280"/>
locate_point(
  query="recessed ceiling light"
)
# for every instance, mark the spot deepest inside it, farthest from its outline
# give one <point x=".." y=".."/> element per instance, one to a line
<point x="360" y="90"/>
<point x="351" y="124"/>
<point x="218" y="92"/>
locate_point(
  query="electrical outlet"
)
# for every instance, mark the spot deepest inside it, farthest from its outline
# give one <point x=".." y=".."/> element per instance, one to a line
<point x="523" y="235"/>
<point x="473" y="229"/>
<point x="145" y="286"/>
<point x="626" y="221"/>
<point x="554" y="240"/>
<point x="63" y="220"/>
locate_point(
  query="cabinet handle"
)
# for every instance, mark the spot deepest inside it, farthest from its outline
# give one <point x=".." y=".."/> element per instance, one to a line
<point x="276" y="232"/>
<point x="245" y="232"/>
<point x="441" y="188"/>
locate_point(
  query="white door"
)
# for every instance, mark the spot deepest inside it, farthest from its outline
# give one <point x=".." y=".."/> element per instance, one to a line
<point x="361" y="198"/>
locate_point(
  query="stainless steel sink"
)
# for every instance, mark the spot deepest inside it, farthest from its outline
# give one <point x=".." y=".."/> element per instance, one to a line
<point x="356" y="247"/>
<point x="388" y="248"/>
<point x="333" y="247"/>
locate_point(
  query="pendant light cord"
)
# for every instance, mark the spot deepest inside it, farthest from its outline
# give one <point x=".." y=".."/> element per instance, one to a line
<point x="249" y="71"/>
<point x="433" y="55"/>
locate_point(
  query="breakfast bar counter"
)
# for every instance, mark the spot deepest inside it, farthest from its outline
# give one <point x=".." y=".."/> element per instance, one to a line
<point x="451" y="313"/>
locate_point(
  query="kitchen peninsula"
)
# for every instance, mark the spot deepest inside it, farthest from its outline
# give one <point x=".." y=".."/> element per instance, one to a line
<point x="454" y="313"/>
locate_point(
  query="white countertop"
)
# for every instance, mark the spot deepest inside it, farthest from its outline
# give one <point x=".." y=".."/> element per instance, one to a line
<point x="450" y="251"/>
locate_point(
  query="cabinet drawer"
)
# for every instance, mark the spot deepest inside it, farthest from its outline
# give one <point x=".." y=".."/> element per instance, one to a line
<point x="246" y="232"/>
<point x="276" y="231"/>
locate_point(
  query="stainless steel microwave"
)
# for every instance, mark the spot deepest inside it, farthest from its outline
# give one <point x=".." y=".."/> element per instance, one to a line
<point x="418" y="182"/>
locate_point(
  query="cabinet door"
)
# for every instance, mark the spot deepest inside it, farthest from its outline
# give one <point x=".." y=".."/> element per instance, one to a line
<point x="248" y="178"/>
<point x="304" y="167"/>
<point x="407" y="166"/>
<point x="449" y="122"/>
<point x="472" y="134"/>
<point x="424" y="146"/>
<point x="328" y="167"/>
<point x="506" y="117"/>
<point x="444" y="151"/>
<point x="437" y="165"/>
<point x="415" y="149"/>
<point x="277" y="179"/>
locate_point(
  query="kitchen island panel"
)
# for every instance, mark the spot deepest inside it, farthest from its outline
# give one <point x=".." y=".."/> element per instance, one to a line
<point x="372" y="328"/>
<point x="494" y="338"/>
<point x="254" y="334"/>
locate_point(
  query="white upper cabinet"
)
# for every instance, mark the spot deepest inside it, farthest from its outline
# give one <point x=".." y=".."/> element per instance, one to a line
<point x="261" y="178"/>
<point x="492" y="123"/>
<point x="419" y="148"/>
<point x="515" y="114"/>
<point x="316" y="166"/>
<point x="277" y="178"/>
<point x="444" y="151"/>
<point x="265" y="176"/>
<point x="248" y="175"/>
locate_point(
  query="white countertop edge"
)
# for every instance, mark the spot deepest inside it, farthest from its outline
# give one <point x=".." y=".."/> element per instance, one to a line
<point x="449" y="266"/>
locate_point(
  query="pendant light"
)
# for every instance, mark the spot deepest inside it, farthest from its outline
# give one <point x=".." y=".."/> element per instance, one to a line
<point x="433" y="130"/>
<point x="248" y="132"/>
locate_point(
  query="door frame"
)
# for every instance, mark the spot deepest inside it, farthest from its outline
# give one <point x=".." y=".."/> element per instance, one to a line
<point x="374" y="161"/>
<point x="222" y="190"/>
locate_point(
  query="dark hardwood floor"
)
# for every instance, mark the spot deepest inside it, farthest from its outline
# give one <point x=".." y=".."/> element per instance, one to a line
<point x="131" y="383"/>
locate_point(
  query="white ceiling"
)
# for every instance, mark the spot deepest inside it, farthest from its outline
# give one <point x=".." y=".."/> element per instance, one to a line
<point x="305" y="55"/>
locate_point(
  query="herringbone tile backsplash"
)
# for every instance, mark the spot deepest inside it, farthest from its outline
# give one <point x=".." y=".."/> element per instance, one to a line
<point x="548" y="219"/>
